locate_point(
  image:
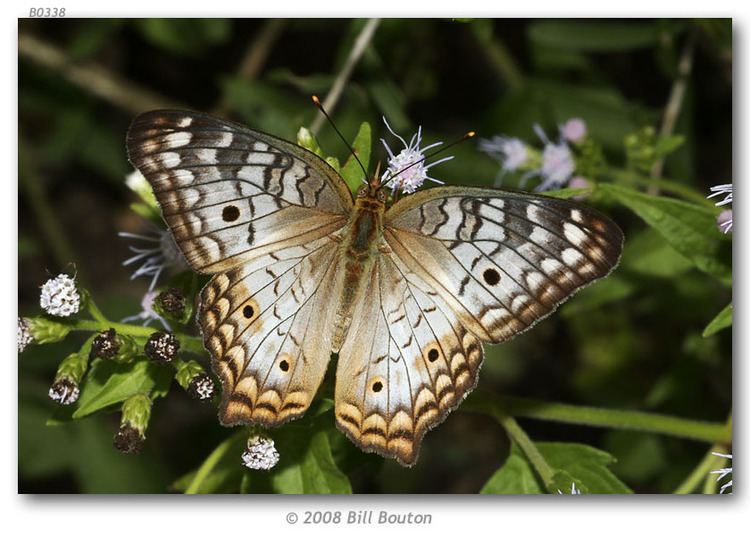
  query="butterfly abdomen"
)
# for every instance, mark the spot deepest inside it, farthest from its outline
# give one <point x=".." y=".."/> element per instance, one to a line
<point x="359" y="248"/>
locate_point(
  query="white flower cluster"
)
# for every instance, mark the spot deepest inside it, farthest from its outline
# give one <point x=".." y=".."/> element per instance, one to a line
<point x="407" y="170"/>
<point x="557" y="162"/>
<point x="260" y="454"/>
<point x="202" y="387"/>
<point x="24" y="335"/>
<point x="724" y="219"/>
<point x="64" y="392"/>
<point x="60" y="296"/>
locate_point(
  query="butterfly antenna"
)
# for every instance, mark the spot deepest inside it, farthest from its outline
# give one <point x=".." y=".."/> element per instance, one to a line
<point x="317" y="103"/>
<point x="463" y="138"/>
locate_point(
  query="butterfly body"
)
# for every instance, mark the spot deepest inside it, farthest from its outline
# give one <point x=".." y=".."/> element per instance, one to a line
<point x="362" y="243"/>
<point x="404" y="293"/>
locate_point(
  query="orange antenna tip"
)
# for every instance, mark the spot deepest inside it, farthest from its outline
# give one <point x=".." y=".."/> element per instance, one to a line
<point x="471" y="134"/>
<point x="316" y="100"/>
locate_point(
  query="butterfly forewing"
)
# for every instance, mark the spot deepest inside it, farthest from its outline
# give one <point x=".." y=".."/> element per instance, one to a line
<point x="229" y="193"/>
<point x="503" y="260"/>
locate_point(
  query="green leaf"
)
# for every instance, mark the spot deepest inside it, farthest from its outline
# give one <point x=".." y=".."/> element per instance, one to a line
<point x="306" y="464"/>
<point x="689" y="228"/>
<point x="722" y="321"/>
<point x="572" y="462"/>
<point x="312" y="470"/>
<point x="351" y="172"/>
<point x="109" y="383"/>
<point x="593" y="36"/>
<point x="587" y="465"/>
<point x="186" y="37"/>
<point x="612" y="289"/>
<point x="647" y="253"/>
<point x="668" y="144"/>
<point x="567" y="193"/>
<point x="514" y="477"/>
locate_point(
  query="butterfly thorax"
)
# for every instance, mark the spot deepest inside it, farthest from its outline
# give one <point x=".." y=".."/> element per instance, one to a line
<point x="362" y="240"/>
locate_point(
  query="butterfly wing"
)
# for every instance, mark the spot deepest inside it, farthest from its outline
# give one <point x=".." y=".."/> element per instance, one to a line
<point x="406" y="362"/>
<point x="258" y="213"/>
<point x="502" y="260"/>
<point x="465" y="265"/>
<point x="230" y="194"/>
<point x="268" y="326"/>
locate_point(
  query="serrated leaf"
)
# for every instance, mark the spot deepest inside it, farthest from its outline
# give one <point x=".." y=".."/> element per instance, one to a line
<point x="514" y="477"/>
<point x="689" y="228"/>
<point x="313" y="471"/>
<point x="362" y="145"/>
<point x="572" y="462"/>
<point x="306" y="464"/>
<point x="586" y="464"/>
<point x="109" y="383"/>
<point x="722" y="321"/>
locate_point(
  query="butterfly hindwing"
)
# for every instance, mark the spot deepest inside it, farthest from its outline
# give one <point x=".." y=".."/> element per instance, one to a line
<point x="502" y="260"/>
<point x="229" y="193"/>
<point x="267" y="328"/>
<point x="406" y="363"/>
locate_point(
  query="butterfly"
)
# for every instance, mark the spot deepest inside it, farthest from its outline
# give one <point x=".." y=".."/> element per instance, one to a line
<point x="404" y="292"/>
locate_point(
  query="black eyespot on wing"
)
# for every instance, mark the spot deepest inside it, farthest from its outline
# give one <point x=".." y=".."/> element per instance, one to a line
<point x="433" y="354"/>
<point x="248" y="311"/>
<point x="377" y="386"/>
<point x="491" y="277"/>
<point x="284" y="365"/>
<point x="230" y="213"/>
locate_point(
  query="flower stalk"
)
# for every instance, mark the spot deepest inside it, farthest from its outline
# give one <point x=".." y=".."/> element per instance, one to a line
<point x="708" y="432"/>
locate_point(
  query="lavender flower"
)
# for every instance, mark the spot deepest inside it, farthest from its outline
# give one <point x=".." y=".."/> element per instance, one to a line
<point x="412" y="178"/>
<point x="723" y="471"/>
<point x="148" y="314"/>
<point x="724" y="220"/>
<point x="160" y="253"/>
<point x="573" y="490"/>
<point x="573" y="130"/>
<point x="510" y="152"/>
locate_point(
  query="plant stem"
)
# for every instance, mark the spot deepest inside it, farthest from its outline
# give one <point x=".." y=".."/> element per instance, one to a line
<point x="674" y="104"/>
<point x="92" y="78"/>
<point x="702" y="471"/>
<point x="630" y="177"/>
<point x="187" y="342"/>
<point x="255" y="56"/>
<point x="591" y="416"/>
<point x="360" y="44"/>
<point x="501" y="59"/>
<point x="519" y="437"/>
<point x="53" y="232"/>
<point x="94" y="310"/>
<point x="213" y="459"/>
